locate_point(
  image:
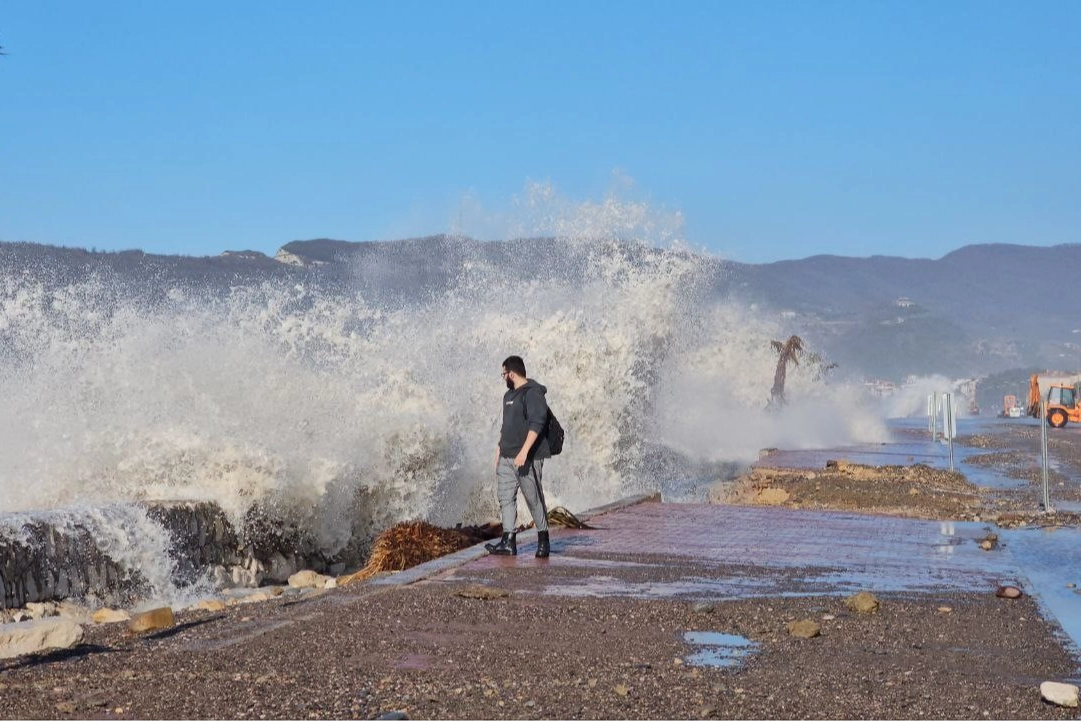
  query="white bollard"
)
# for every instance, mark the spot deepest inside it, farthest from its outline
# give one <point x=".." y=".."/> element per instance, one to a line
<point x="1046" y="461"/>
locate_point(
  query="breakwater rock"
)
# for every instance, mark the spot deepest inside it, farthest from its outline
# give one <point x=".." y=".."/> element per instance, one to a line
<point x="118" y="555"/>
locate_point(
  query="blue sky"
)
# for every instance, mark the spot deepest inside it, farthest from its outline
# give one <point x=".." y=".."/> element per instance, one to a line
<point x="777" y="129"/>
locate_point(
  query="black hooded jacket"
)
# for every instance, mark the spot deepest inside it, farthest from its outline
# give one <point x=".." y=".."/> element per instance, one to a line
<point x="524" y="409"/>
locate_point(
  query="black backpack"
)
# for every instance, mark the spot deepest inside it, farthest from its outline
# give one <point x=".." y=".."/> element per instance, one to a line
<point x="555" y="434"/>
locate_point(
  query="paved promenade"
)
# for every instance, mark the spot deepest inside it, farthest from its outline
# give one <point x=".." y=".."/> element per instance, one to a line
<point x="703" y="552"/>
<point x="716" y="553"/>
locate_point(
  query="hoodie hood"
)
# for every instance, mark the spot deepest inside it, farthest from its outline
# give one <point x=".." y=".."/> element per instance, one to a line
<point x="530" y="383"/>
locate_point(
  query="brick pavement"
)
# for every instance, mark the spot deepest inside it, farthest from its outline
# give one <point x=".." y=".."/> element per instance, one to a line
<point x="716" y="552"/>
<point x="728" y="551"/>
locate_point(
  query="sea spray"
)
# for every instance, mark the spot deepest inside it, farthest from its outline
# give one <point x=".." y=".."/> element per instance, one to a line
<point x="342" y="415"/>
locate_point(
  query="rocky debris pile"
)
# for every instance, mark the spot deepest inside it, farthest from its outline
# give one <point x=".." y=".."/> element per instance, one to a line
<point x="915" y="491"/>
<point x="980" y="440"/>
<point x="1035" y="519"/>
<point x="56" y="625"/>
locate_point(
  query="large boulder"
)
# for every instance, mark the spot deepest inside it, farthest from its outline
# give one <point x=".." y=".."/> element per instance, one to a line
<point x="280" y="568"/>
<point x="41" y="610"/>
<point x="262" y="594"/>
<point x="863" y="602"/>
<point x="211" y="604"/>
<point x="804" y="629"/>
<point x="308" y="579"/>
<point x="109" y="615"/>
<point x="1009" y="592"/>
<point x="1060" y="694"/>
<point x="154" y="620"/>
<point x="18" y="639"/>
<point x="77" y="613"/>
<point x="772" y="497"/>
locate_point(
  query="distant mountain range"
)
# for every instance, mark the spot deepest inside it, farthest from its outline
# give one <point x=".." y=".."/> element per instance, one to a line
<point x="978" y="310"/>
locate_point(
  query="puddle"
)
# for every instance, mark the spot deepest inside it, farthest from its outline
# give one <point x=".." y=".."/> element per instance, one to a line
<point x="1051" y="559"/>
<point x="949" y="530"/>
<point x="719" y="650"/>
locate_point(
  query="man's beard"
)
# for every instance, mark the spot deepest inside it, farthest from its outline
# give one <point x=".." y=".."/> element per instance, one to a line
<point x="510" y="384"/>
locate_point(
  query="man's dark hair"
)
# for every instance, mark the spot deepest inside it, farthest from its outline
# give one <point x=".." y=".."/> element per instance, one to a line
<point x="515" y="364"/>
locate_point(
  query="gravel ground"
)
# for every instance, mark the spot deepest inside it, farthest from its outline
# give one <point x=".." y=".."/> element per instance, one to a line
<point x="432" y="654"/>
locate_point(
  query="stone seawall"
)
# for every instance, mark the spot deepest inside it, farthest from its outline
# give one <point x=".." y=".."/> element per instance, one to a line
<point x="52" y="557"/>
<point x="47" y="563"/>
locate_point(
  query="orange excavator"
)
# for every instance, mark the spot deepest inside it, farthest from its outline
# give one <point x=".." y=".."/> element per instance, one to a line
<point x="1063" y="402"/>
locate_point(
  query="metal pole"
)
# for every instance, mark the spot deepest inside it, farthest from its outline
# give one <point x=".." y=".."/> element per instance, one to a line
<point x="950" y="425"/>
<point x="934" y="415"/>
<point x="1043" y="448"/>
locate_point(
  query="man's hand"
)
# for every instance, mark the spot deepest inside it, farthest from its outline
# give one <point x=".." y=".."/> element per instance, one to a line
<point x="521" y="459"/>
<point x="523" y="455"/>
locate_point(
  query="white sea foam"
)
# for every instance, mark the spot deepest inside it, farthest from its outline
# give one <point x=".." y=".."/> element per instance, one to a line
<point x="303" y="400"/>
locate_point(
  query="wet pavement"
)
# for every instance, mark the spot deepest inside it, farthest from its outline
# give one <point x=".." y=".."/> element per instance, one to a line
<point x="697" y="552"/>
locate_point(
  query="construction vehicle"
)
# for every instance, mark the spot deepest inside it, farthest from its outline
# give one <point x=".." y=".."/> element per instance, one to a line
<point x="1063" y="401"/>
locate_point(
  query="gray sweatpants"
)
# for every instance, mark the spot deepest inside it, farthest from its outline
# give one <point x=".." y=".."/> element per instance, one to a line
<point x="528" y="478"/>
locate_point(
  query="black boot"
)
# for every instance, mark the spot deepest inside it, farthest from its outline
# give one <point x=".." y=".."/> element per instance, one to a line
<point x="506" y="547"/>
<point x="544" y="548"/>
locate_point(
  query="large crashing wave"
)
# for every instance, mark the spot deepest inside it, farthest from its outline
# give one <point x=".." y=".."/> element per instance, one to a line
<point x="322" y="407"/>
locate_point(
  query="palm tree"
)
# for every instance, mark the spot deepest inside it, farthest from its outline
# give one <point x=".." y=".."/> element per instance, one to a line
<point x="788" y="352"/>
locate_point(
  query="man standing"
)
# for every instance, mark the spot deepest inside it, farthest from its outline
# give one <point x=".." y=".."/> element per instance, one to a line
<point x="519" y="460"/>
